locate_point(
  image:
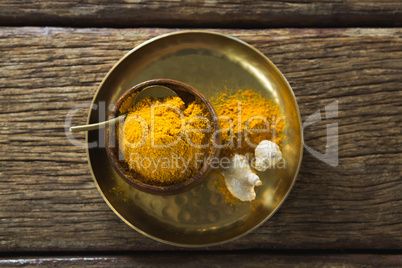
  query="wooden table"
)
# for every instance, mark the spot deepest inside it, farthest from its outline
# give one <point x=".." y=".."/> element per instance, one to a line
<point x="53" y="56"/>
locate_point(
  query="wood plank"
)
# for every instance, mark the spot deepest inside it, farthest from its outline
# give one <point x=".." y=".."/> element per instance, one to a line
<point x="196" y="259"/>
<point x="197" y="13"/>
<point x="49" y="202"/>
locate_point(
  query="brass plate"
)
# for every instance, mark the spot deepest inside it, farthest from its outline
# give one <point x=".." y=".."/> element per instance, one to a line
<point x="209" y="62"/>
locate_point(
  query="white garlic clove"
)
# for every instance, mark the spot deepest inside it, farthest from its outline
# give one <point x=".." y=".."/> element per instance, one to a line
<point x="267" y="155"/>
<point x="240" y="180"/>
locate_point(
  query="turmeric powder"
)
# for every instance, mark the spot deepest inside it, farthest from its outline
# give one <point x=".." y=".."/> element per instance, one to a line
<point x="164" y="141"/>
<point x="246" y="118"/>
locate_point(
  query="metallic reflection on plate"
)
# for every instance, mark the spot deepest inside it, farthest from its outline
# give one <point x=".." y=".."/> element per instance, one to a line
<point x="209" y="62"/>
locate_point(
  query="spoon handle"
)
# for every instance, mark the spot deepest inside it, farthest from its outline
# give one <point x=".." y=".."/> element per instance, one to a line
<point x="97" y="125"/>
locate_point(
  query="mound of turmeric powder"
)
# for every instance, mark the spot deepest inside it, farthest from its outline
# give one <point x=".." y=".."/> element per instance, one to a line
<point x="164" y="141"/>
<point x="246" y="118"/>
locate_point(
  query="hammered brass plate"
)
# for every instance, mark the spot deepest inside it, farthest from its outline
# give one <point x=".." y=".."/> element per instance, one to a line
<point x="209" y="62"/>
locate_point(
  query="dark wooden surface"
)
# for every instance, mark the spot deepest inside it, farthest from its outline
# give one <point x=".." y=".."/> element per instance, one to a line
<point x="210" y="259"/>
<point x="350" y="215"/>
<point x="47" y="190"/>
<point x="202" y="13"/>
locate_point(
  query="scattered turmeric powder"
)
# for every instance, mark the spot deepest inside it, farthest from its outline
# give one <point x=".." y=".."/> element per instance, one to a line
<point x="246" y="118"/>
<point x="221" y="186"/>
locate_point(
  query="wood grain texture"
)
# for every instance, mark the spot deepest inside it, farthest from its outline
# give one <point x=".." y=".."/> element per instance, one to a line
<point x="209" y="260"/>
<point x="49" y="202"/>
<point x="206" y="13"/>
